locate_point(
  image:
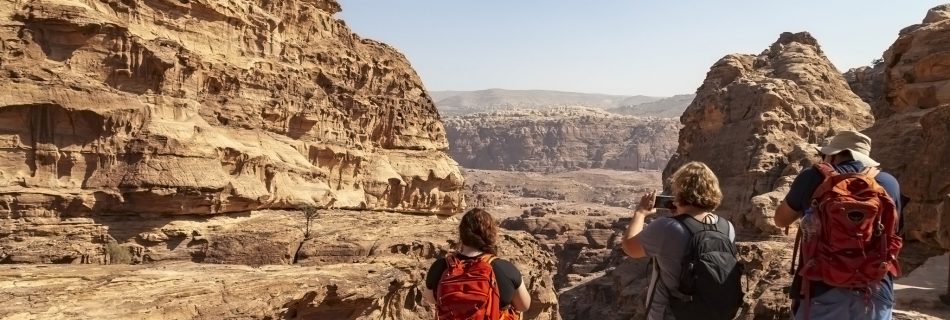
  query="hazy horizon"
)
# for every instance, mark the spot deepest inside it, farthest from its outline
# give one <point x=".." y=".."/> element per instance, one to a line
<point x="613" y="47"/>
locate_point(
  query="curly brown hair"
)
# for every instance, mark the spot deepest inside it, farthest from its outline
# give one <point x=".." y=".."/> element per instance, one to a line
<point x="479" y="231"/>
<point x="698" y="186"/>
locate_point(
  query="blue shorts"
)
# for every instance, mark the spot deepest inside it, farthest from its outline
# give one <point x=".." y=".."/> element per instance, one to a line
<point x="848" y="304"/>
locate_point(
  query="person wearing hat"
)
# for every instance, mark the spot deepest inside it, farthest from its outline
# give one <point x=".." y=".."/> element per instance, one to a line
<point x="848" y="151"/>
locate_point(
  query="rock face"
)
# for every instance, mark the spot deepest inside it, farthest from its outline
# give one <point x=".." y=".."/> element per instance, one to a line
<point x="868" y="83"/>
<point x="354" y="266"/>
<point x="671" y="107"/>
<point x="581" y="244"/>
<point x="201" y="108"/>
<point x="460" y="103"/>
<point x="911" y="140"/>
<point x="207" y="106"/>
<point x="560" y="139"/>
<point x="766" y="112"/>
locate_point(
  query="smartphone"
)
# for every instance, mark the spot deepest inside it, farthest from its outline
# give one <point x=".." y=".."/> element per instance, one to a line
<point x="663" y="202"/>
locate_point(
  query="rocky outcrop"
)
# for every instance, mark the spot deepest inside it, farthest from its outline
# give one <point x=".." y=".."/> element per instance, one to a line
<point x="766" y="113"/>
<point x="911" y="140"/>
<point x="353" y="266"/>
<point x="560" y="139"/>
<point x="207" y="107"/>
<point x="582" y="244"/>
<point x="201" y="108"/>
<point x="868" y="83"/>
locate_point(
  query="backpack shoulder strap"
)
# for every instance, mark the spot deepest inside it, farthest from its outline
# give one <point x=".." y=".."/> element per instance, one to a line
<point x="452" y="261"/>
<point x="691" y="225"/>
<point x="826" y="170"/>
<point x="871" y="172"/>
<point x="694" y="226"/>
<point x="488" y="258"/>
<point x="722" y="225"/>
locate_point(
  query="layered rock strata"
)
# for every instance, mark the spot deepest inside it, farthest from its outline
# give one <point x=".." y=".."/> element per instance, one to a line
<point x="198" y="108"/>
<point x="560" y="139"/>
<point x="910" y="140"/>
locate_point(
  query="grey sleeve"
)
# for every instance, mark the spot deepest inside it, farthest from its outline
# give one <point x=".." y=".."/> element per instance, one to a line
<point x="653" y="235"/>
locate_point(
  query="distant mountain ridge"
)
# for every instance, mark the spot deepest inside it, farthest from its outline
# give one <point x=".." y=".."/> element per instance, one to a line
<point x="454" y="103"/>
<point x="671" y="107"/>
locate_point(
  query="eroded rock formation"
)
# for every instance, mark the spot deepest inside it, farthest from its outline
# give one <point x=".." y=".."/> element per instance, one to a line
<point x="910" y="140"/>
<point x="203" y="107"/>
<point x="353" y="266"/>
<point x="560" y="139"/>
<point x="756" y="119"/>
<point x="198" y="107"/>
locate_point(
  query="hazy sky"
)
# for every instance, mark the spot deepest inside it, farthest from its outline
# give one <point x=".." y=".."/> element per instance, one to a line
<point x="645" y="47"/>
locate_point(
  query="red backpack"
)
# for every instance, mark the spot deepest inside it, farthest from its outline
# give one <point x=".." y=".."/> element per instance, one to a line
<point x="468" y="290"/>
<point x="851" y="239"/>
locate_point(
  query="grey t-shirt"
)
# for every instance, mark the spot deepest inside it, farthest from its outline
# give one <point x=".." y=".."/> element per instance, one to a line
<point x="666" y="239"/>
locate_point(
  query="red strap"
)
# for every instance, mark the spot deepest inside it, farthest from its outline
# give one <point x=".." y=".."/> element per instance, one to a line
<point x="826" y="169"/>
<point x="450" y="260"/>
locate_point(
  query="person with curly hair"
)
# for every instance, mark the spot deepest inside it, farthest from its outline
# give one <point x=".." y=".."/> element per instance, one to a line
<point x="472" y="283"/>
<point x="696" y="194"/>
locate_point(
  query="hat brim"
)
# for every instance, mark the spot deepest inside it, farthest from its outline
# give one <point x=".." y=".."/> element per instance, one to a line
<point x="860" y="157"/>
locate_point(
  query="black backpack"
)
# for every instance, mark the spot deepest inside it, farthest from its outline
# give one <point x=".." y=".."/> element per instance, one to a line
<point x="710" y="286"/>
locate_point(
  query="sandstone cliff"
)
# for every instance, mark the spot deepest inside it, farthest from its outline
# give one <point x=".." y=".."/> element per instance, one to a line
<point x="560" y="139"/>
<point x="766" y="112"/>
<point x="196" y="107"/>
<point x="910" y="139"/>
<point x="202" y="107"/>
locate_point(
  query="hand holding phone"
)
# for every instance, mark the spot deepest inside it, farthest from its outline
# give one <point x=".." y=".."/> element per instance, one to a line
<point x="664" y="202"/>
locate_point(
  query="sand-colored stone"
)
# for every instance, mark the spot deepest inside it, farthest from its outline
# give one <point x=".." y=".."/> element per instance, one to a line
<point x="910" y="136"/>
<point x="559" y="139"/>
<point x="114" y="109"/>
<point x="355" y="266"/>
<point x="208" y="106"/>
<point x="756" y="119"/>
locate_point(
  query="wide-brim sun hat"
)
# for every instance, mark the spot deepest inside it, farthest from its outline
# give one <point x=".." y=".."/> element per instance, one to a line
<point x="856" y="142"/>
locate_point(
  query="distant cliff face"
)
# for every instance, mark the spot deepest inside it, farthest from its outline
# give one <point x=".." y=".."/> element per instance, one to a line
<point x="560" y="139"/>
<point x="671" y="107"/>
<point x="756" y="119"/>
<point x="461" y="103"/>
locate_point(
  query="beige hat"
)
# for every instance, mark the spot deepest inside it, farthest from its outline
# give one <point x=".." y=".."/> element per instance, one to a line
<point x="856" y="142"/>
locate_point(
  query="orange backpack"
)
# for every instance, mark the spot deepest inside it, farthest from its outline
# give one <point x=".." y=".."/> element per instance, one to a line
<point x="468" y="290"/>
<point x="853" y="242"/>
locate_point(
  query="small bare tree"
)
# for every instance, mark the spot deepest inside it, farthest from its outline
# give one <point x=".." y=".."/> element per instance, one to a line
<point x="311" y="213"/>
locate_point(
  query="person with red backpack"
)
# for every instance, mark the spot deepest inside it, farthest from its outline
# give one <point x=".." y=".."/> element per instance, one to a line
<point x="849" y="237"/>
<point x="472" y="283"/>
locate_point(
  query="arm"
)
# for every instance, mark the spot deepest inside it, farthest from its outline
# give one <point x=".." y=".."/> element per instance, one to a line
<point x="432" y="280"/>
<point x="798" y="197"/>
<point x="785" y="215"/>
<point x="429" y="296"/>
<point x="631" y="245"/>
<point x="521" y="299"/>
